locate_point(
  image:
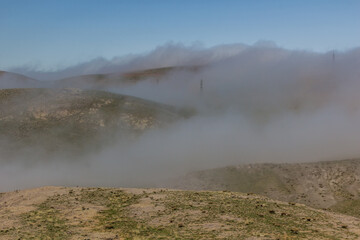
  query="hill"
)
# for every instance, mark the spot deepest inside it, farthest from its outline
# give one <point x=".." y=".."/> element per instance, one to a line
<point x="108" y="213"/>
<point x="106" y="81"/>
<point x="58" y="120"/>
<point x="329" y="184"/>
<point x="14" y="80"/>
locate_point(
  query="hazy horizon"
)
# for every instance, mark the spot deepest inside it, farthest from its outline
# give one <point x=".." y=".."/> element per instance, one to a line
<point x="52" y="35"/>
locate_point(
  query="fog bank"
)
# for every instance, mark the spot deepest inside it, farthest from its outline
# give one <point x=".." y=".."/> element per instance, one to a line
<point x="252" y="104"/>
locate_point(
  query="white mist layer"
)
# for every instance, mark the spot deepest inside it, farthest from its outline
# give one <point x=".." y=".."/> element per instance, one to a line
<point x="260" y="104"/>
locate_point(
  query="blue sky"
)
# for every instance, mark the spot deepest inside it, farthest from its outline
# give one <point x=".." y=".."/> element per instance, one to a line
<point x="50" y="34"/>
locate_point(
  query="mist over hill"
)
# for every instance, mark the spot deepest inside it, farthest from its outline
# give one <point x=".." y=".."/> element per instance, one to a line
<point x="167" y="55"/>
<point x="179" y="120"/>
<point x="13" y="80"/>
<point x="74" y="120"/>
<point x="328" y="185"/>
<point x="260" y="78"/>
<point x="249" y="104"/>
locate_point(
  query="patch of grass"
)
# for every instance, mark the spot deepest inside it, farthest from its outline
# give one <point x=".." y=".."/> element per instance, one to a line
<point x="208" y="215"/>
<point x="241" y="217"/>
<point x="348" y="207"/>
<point x="245" y="217"/>
<point x="243" y="179"/>
<point x="7" y="231"/>
<point x="115" y="218"/>
<point x="164" y="214"/>
<point x="45" y="222"/>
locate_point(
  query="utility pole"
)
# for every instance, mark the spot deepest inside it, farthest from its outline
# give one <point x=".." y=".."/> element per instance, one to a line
<point x="201" y="85"/>
<point x="333" y="56"/>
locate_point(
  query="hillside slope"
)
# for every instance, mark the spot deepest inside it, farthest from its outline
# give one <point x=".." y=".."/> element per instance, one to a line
<point x="63" y="119"/>
<point x="328" y="184"/>
<point x="14" y="80"/>
<point x="106" y="213"/>
<point x="121" y="79"/>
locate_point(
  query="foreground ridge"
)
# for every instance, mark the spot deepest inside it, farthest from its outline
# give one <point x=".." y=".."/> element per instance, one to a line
<point x="109" y="213"/>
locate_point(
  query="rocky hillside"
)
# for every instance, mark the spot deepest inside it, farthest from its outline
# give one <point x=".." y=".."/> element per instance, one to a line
<point x="59" y="120"/>
<point x="105" y="213"/>
<point x="329" y="184"/>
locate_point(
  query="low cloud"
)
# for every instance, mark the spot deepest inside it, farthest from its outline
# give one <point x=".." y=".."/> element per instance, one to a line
<point x="256" y="104"/>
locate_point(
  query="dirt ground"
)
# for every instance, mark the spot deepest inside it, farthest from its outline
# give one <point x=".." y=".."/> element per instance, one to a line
<point x="108" y="213"/>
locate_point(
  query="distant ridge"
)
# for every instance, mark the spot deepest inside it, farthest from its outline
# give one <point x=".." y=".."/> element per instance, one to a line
<point x="14" y="80"/>
<point x="104" y="81"/>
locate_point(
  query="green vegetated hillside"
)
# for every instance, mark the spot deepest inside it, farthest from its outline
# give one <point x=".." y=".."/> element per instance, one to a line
<point x="330" y="184"/>
<point x="58" y="120"/>
<point x="108" y="213"/>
